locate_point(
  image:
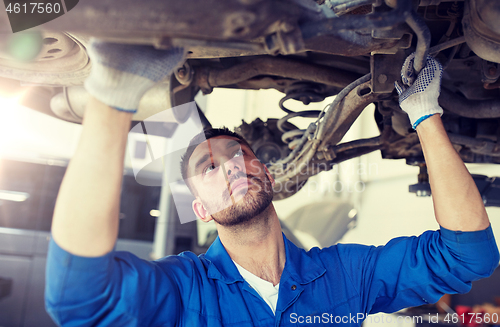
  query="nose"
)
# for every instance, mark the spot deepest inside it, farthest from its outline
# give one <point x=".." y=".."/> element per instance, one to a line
<point x="233" y="166"/>
<point x="233" y="170"/>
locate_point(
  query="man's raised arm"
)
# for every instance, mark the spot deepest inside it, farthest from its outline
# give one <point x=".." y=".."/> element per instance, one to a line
<point x="85" y="219"/>
<point x="457" y="203"/>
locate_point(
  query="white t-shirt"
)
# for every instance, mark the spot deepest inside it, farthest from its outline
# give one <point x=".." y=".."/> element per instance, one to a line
<point x="265" y="289"/>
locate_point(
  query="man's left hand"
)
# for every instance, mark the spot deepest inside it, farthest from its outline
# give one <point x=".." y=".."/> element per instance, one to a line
<point x="418" y="96"/>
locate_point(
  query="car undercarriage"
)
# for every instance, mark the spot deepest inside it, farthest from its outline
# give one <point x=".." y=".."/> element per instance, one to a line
<point x="308" y="50"/>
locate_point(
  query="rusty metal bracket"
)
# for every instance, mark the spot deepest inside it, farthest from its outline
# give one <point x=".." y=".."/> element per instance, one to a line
<point x="385" y="70"/>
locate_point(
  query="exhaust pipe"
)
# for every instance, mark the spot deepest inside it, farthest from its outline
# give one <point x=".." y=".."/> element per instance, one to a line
<point x="70" y="104"/>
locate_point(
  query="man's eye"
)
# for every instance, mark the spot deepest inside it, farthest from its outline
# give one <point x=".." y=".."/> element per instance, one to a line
<point x="238" y="153"/>
<point x="209" y="168"/>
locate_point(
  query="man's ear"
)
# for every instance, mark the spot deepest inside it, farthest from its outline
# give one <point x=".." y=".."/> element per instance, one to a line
<point x="268" y="174"/>
<point x="200" y="211"/>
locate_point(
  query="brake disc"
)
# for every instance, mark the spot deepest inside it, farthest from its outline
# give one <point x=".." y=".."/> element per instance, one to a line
<point x="62" y="60"/>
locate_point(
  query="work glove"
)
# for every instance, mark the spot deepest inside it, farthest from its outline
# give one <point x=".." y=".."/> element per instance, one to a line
<point x="121" y="74"/>
<point x="418" y="95"/>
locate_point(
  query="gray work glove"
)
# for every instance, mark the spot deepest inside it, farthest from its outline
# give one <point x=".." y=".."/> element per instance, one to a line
<point x="121" y="74"/>
<point x="418" y="96"/>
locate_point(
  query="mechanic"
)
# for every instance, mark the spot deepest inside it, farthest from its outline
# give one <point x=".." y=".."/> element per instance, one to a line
<point x="251" y="275"/>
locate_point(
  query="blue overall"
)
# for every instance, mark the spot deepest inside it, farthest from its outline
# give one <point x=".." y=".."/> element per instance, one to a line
<point x="336" y="285"/>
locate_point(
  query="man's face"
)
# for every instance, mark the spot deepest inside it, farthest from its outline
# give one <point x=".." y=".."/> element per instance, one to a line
<point x="230" y="184"/>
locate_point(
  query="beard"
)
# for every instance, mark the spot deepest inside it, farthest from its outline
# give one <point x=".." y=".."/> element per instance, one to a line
<point x="249" y="206"/>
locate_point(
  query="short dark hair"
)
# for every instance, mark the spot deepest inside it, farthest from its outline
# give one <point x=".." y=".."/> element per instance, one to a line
<point x="200" y="138"/>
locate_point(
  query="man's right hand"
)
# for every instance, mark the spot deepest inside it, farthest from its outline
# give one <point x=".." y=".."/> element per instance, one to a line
<point x="121" y="74"/>
<point x="85" y="219"/>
